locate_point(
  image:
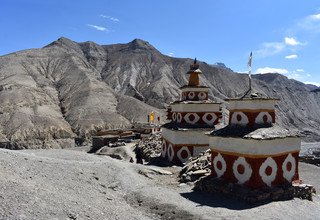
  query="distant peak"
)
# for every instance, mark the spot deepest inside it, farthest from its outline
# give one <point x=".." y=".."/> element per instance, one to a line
<point x="140" y="44"/>
<point x="89" y="42"/>
<point x="139" y="41"/>
<point x="62" y="41"/>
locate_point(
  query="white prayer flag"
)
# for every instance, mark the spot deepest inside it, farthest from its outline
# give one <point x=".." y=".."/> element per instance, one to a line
<point x="249" y="64"/>
<point x="250" y="60"/>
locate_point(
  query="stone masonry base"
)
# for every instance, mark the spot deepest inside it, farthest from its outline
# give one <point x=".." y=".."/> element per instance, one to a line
<point x="252" y="196"/>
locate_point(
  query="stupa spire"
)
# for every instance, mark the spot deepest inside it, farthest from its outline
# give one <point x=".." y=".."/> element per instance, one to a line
<point x="194" y="74"/>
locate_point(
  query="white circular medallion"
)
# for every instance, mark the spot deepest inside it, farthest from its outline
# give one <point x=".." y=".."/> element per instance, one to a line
<point x="174" y="116"/>
<point x="179" y="117"/>
<point x="268" y="178"/>
<point x="263" y="118"/>
<point x="191" y="118"/>
<point x="191" y="95"/>
<point x="219" y="170"/>
<point x="202" y="95"/>
<point x="170" y="152"/>
<point x="289" y="173"/>
<point x="239" y="118"/>
<point x="179" y="154"/>
<point x="247" y="170"/>
<point x="213" y="117"/>
<point x="164" y="148"/>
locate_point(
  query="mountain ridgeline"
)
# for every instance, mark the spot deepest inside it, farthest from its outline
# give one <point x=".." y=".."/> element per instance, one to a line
<point x="66" y="89"/>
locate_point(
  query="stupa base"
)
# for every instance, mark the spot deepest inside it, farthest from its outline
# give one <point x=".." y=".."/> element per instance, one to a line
<point x="254" y="196"/>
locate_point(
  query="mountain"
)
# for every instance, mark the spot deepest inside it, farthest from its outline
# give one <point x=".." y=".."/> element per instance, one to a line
<point x="51" y="95"/>
<point x="67" y="89"/>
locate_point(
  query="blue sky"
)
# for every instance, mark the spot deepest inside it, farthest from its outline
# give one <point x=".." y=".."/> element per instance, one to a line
<point x="284" y="36"/>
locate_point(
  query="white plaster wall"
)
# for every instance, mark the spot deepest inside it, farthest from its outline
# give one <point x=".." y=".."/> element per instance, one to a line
<point x="185" y="137"/>
<point x="189" y="89"/>
<point x="203" y="107"/>
<point x="255" y="147"/>
<point x="251" y="104"/>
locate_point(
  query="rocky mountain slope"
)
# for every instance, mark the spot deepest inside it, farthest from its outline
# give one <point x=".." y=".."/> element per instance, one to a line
<point x="51" y="95"/>
<point x="67" y="89"/>
<point x="139" y="70"/>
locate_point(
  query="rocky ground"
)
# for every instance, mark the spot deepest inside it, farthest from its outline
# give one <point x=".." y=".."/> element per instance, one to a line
<point x="72" y="184"/>
<point x="310" y="153"/>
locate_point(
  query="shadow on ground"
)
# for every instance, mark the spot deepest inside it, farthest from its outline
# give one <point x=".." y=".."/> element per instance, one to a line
<point x="218" y="200"/>
<point x="158" y="161"/>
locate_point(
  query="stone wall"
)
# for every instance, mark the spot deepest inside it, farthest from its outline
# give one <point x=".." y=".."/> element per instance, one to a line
<point x="263" y="195"/>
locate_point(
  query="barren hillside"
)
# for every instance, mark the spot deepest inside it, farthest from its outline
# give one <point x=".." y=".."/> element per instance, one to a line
<point x="66" y="89"/>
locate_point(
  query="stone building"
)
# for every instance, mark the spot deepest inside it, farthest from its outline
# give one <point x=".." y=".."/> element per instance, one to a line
<point x="252" y="150"/>
<point x="191" y="117"/>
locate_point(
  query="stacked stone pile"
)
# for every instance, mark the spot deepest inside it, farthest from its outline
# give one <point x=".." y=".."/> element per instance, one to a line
<point x="196" y="167"/>
<point x="304" y="191"/>
<point x="150" y="147"/>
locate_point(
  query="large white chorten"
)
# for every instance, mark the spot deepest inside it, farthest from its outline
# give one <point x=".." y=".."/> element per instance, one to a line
<point x="252" y="150"/>
<point x="191" y="117"/>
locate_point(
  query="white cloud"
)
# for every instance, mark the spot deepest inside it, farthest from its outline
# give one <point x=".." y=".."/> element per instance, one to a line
<point x="170" y="54"/>
<point x="242" y="71"/>
<point x="298" y="74"/>
<point x="114" y="19"/>
<point x="295" y="75"/>
<point x="310" y="23"/>
<point x="292" y="56"/>
<point x="291" y="41"/>
<point x="313" y="83"/>
<point x="273" y="48"/>
<point x="109" y="17"/>
<point x="98" y="28"/>
<point x="270" y="49"/>
<point x="264" y="70"/>
<point x="315" y="17"/>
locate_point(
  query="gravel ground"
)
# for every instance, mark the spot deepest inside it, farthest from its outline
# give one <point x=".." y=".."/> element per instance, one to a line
<point x="71" y="184"/>
<point x="305" y="147"/>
